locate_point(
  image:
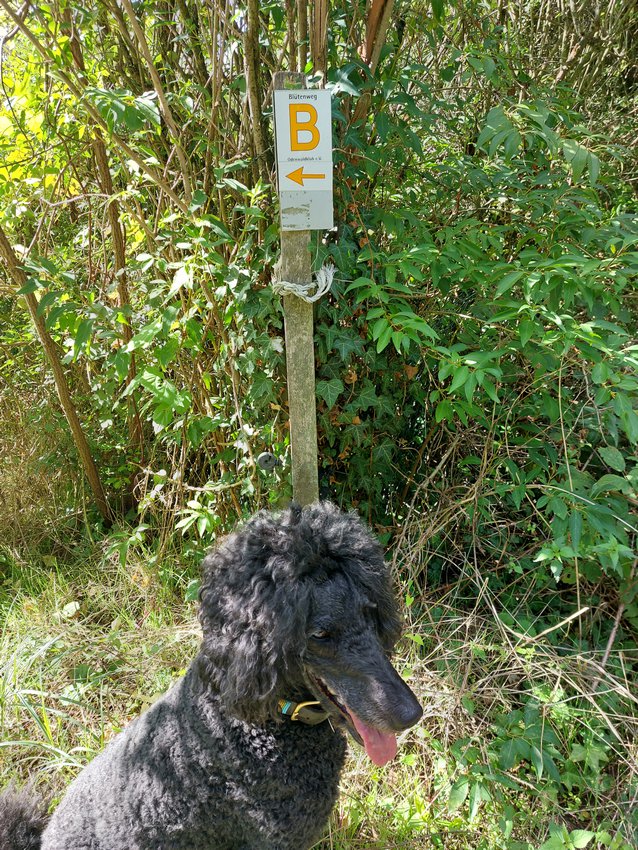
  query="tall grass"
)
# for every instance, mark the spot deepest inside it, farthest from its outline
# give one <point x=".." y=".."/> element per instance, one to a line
<point x="85" y="647"/>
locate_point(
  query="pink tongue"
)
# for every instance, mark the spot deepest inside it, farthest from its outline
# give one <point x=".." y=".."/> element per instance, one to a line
<point x="381" y="747"/>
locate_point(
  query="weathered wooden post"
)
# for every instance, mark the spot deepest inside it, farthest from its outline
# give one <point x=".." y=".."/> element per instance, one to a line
<point x="304" y="171"/>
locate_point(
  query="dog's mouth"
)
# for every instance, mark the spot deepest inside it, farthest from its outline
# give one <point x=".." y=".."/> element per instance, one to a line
<point x="381" y="747"/>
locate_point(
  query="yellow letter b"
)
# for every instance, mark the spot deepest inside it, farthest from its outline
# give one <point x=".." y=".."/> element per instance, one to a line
<point x="306" y="125"/>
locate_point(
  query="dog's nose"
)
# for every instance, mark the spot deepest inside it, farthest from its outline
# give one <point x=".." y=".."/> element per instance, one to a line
<point x="410" y="712"/>
<point x="405" y="708"/>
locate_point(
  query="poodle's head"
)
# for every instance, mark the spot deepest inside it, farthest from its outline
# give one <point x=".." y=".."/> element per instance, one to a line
<point x="299" y="606"/>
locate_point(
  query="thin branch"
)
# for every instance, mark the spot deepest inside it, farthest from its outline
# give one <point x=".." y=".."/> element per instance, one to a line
<point x="166" y="110"/>
<point x="252" y="65"/>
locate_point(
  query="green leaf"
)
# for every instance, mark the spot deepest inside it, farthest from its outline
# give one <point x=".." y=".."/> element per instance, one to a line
<point x="82" y="336"/>
<point x="145" y="336"/>
<point x="458" y="793"/>
<point x="182" y="279"/>
<point x="122" y="363"/>
<point x="508" y="754"/>
<point x="475" y="799"/>
<point x="167" y="352"/>
<point x="29" y="287"/>
<point x="495" y="121"/>
<point x="447" y="73"/>
<point x="192" y="590"/>
<point x="490" y="389"/>
<point x="556" y="842"/>
<point x="613" y="458"/>
<point x="600" y="373"/>
<point x="347" y="343"/>
<point x="508" y="281"/>
<point x="367" y="397"/>
<point x="438" y="10"/>
<point x="550" y="768"/>
<point x="444" y="411"/>
<point x="262" y="385"/>
<point x="470" y="385"/>
<point x="382" y="123"/>
<point x="576" y="528"/>
<point x="380" y="327"/>
<point x="400" y="339"/>
<point x="557" y="507"/>
<point x="147" y="109"/>
<point x="199" y="199"/>
<point x="537" y="761"/>
<point x="513" y="142"/>
<point x="460" y="377"/>
<point x="577" y="157"/>
<point x="163" y="415"/>
<point x="609" y="483"/>
<point x="45" y="302"/>
<point x="330" y="391"/>
<point x="629" y="422"/>
<point x="385" y="338"/>
<point x="361" y="282"/>
<point x="581" y="838"/>
<point x="506" y="822"/>
<point x="343" y="82"/>
<point x="526" y="330"/>
<point x="489" y="67"/>
<point x="132" y="119"/>
<point x="203" y="524"/>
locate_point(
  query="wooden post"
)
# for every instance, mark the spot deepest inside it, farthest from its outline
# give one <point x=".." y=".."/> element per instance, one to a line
<point x="295" y="267"/>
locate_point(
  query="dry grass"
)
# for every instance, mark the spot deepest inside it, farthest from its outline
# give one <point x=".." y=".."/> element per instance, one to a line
<point x="37" y="478"/>
<point x="486" y="655"/>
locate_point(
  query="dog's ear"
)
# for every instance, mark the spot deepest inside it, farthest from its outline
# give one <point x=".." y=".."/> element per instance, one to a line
<point x="253" y="613"/>
<point x="389" y="622"/>
<point x="372" y="573"/>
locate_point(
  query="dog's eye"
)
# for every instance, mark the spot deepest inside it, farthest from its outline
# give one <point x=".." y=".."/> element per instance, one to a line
<point x="321" y="634"/>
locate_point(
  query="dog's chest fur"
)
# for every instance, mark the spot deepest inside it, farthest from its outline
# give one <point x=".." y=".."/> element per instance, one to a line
<point x="185" y="777"/>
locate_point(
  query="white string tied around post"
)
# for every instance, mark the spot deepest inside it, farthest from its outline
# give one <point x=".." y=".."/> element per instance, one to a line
<point x="321" y="285"/>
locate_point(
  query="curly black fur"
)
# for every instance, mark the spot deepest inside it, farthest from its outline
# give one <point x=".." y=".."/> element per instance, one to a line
<point x="294" y="607"/>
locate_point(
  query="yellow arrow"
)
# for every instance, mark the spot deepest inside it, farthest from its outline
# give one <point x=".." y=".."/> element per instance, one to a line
<point x="298" y="176"/>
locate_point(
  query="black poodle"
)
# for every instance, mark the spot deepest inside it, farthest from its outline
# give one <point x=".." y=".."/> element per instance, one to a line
<point x="245" y="752"/>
